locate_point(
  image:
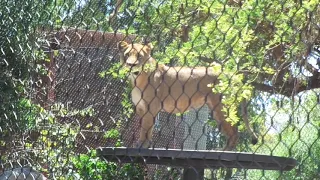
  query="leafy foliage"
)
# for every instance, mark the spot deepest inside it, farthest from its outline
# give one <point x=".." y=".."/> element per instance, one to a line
<point x="243" y="38"/>
<point x="297" y="139"/>
<point x="89" y="166"/>
<point x="258" y="48"/>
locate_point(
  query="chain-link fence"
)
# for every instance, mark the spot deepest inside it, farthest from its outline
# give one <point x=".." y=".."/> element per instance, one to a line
<point x="191" y="89"/>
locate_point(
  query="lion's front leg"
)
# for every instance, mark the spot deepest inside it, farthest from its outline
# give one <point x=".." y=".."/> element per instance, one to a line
<point x="147" y="113"/>
<point x="146" y="129"/>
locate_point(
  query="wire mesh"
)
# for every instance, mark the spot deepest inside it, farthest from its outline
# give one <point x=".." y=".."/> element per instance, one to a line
<point x="152" y="89"/>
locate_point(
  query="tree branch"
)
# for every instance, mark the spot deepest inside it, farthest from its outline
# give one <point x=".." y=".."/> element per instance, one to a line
<point x="290" y="87"/>
<point x="263" y="87"/>
<point x="280" y="85"/>
<point x="113" y="15"/>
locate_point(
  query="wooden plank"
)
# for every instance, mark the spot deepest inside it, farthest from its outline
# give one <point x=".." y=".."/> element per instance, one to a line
<point x="197" y="158"/>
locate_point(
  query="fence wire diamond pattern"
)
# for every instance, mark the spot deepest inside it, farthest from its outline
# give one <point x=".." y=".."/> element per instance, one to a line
<point x="192" y="89"/>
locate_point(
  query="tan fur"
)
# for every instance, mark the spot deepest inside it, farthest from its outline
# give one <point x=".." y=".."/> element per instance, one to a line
<point x="172" y="89"/>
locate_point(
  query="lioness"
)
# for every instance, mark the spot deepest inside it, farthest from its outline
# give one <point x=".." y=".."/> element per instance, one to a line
<point x="172" y="89"/>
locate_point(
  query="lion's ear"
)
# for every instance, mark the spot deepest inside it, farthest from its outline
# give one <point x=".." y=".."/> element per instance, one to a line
<point x="148" y="47"/>
<point x="122" y="45"/>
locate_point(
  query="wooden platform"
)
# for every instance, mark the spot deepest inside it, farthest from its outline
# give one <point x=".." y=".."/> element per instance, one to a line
<point x="199" y="159"/>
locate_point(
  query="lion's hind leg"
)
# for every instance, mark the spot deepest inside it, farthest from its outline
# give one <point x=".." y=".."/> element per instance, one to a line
<point x="231" y="132"/>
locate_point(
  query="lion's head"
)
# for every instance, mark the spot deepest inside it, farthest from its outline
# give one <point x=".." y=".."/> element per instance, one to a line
<point x="135" y="56"/>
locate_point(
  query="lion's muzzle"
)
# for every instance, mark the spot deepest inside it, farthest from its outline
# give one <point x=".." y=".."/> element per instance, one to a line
<point x="132" y="64"/>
